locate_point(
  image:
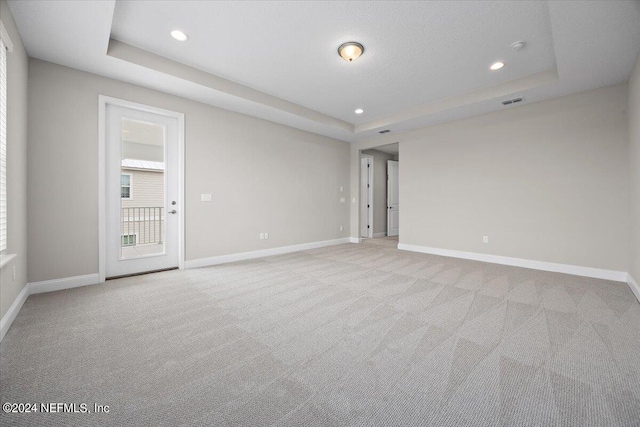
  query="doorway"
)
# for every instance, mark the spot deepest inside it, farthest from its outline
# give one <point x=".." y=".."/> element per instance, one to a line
<point x="379" y="215"/>
<point x="141" y="171"/>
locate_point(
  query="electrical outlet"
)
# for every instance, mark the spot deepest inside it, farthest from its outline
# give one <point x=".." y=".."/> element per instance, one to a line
<point x="485" y="239"/>
<point x="266" y="236"/>
<point x="341" y="189"/>
<point x="342" y="199"/>
<point x="341" y="228"/>
<point x="206" y="198"/>
<point x="353" y="200"/>
<point x="261" y="236"/>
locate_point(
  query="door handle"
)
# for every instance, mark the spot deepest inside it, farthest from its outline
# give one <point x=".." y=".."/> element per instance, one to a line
<point x="173" y="212"/>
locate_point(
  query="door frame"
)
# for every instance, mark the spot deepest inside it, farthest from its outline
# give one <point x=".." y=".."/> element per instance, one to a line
<point x="103" y="101"/>
<point x="388" y="195"/>
<point x="371" y="160"/>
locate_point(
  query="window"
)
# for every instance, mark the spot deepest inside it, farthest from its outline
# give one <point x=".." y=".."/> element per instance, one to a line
<point x="3" y="140"/>
<point x="129" y="240"/>
<point x="125" y="186"/>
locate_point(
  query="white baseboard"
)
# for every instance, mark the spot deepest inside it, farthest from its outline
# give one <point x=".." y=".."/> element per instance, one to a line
<point x="64" y="283"/>
<point x="635" y="288"/>
<point x="355" y="240"/>
<point x="597" y="273"/>
<point x="379" y="234"/>
<point x="11" y="314"/>
<point x="223" y="259"/>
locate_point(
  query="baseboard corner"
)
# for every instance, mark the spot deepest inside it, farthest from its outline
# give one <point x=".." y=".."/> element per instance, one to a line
<point x="635" y="288"/>
<point x="10" y="315"/>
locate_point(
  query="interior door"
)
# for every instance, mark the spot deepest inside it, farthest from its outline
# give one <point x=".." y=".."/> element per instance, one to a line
<point x="393" y="201"/>
<point x="365" y="203"/>
<point x="142" y="188"/>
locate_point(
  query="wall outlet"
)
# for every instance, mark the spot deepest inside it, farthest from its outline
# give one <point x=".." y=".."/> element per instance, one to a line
<point x="341" y="228"/>
<point x="485" y="239"/>
<point x="341" y="189"/>
<point x="261" y="236"/>
<point x="206" y="198"/>
<point x="342" y="199"/>
<point x="353" y="200"/>
<point x="266" y="236"/>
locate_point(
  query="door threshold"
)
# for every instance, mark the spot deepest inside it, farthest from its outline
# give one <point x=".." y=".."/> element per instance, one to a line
<point x="141" y="273"/>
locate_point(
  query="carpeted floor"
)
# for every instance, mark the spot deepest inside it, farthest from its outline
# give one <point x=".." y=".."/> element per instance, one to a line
<point x="350" y="335"/>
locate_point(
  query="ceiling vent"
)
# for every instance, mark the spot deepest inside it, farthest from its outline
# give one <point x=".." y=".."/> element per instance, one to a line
<point x="512" y="101"/>
<point x="384" y="131"/>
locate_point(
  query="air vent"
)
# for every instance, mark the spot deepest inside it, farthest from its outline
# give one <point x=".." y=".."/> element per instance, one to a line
<point x="384" y="131"/>
<point x="512" y="101"/>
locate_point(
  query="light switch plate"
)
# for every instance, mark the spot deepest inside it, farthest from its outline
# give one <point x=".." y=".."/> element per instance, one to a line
<point x="206" y="198"/>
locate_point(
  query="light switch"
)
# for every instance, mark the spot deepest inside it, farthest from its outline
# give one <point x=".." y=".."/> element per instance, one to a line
<point x="206" y="198"/>
<point x="341" y="189"/>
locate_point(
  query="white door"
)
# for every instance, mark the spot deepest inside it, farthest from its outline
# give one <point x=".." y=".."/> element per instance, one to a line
<point x="393" y="202"/>
<point x="365" y="198"/>
<point x="142" y="191"/>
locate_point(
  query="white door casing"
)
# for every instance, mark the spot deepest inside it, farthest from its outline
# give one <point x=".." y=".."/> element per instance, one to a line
<point x="393" y="201"/>
<point x="366" y="196"/>
<point x="111" y="263"/>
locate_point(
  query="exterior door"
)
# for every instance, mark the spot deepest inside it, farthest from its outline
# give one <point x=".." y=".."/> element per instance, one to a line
<point x="393" y="201"/>
<point x="142" y="191"/>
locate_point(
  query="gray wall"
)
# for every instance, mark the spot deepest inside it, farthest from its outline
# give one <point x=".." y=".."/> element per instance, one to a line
<point x="634" y="164"/>
<point x="264" y="177"/>
<point x="17" y="63"/>
<point x="379" y="189"/>
<point x="545" y="181"/>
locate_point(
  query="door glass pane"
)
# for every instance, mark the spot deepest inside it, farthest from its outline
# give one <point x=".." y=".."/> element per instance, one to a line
<point x="142" y="189"/>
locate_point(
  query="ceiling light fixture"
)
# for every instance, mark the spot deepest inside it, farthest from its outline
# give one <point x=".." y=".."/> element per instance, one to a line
<point x="359" y="111"/>
<point x="179" y="35"/>
<point x="496" y="66"/>
<point x="350" y="51"/>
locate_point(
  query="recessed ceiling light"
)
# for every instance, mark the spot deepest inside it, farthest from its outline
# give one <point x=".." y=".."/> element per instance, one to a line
<point x="359" y="111"/>
<point x="179" y="35"/>
<point x="496" y="66"/>
<point x="350" y="51"/>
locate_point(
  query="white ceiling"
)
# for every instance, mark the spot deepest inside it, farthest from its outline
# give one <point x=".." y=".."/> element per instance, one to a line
<point x="424" y="62"/>
<point x="415" y="52"/>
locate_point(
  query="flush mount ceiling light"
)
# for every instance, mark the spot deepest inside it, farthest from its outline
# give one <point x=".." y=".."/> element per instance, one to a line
<point x="359" y="111"/>
<point x="496" y="66"/>
<point x="350" y="51"/>
<point x="179" y="35"/>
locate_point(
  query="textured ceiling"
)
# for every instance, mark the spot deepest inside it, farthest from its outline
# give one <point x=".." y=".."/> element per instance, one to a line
<point x="425" y="62"/>
<point x="415" y="52"/>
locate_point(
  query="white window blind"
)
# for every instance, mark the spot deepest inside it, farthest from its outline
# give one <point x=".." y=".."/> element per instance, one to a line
<point x="3" y="146"/>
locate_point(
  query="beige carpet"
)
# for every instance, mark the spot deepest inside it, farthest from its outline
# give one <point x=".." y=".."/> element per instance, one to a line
<point x="350" y="335"/>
